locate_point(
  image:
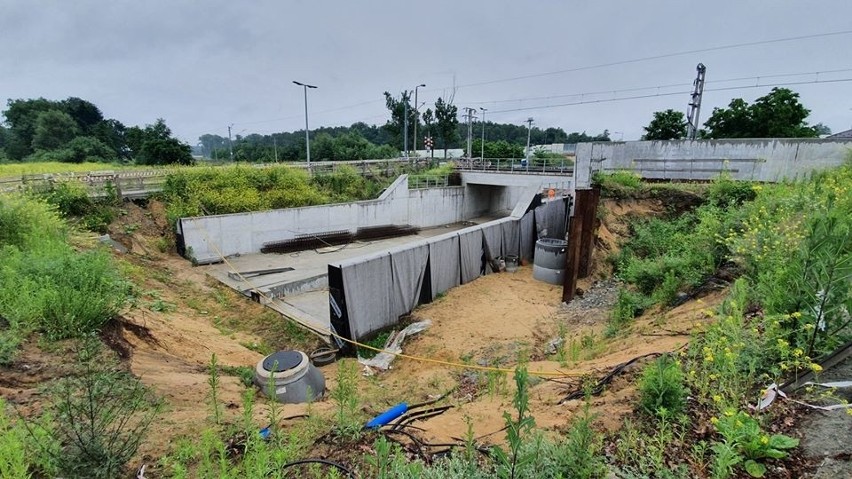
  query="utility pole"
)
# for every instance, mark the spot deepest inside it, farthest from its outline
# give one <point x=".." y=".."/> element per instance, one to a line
<point x="307" y="136"/>
<point x="469" y="111"/>
<point x="483" y="110"/>
<point x="230" y="145"/>
<point x="416" y="115"/>
<point x="275" y="146"/>
<point x="695" y="104"/>
<point x="405" y="122"/>
<point x="529" y="134"/>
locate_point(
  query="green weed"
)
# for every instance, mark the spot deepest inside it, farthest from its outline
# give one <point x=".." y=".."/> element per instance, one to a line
<point x="347" y="421"/>
<point x="627" y="306"/>
<point x="662" y="389"/>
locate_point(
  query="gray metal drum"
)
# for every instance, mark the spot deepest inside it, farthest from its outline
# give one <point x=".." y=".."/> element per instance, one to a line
<point x="549" y="261"/>
<point x="294" y="379"/>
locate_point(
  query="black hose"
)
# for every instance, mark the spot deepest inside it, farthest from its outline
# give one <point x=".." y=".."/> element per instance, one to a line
<point x="326" y="462"/>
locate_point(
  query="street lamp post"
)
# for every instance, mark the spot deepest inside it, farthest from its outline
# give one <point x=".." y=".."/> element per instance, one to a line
<point x="416" y="115"/>
<point x="483" y="110"/>
<point x="230" y="145"/>
<point x="307" y="136"/>
<point x="529" y="133"/>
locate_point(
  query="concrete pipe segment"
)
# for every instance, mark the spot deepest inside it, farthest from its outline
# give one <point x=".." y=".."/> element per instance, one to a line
<point x="549" y="260"/>
<point x="294" y="379"/>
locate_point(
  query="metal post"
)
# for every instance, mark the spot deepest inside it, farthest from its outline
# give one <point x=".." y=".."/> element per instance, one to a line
<point x="695" y="105"/>
<point x="405" y="122"/>
<point x="275" y="146"/>
<point x="529" y="133"/>
<point x="483" y="132"/>
<point x="416" y="115"/>
<point x="307" y="135"/>
<point x="230" y="145"/>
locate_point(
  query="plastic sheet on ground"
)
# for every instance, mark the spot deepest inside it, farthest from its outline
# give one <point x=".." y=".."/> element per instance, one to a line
<point x="394" y="346"/>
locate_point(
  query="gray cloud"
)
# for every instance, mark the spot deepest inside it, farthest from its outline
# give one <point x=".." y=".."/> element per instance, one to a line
<point x="203" y="65"/>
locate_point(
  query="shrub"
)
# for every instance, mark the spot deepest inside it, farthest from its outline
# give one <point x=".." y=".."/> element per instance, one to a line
<point x="627" y="306"/>
<point x="101" y="416"/>
<point x="618" y="183"/>
<point x="70" y="198"/>
<point x="581" y="456"/>
<point x="725" y="191"/>
<point x="26" y="221"/>
<point x="59" y="291"/>
<point x="14" y="463"/>
<point x="661" y="389"/>
<point x="192" y="192"/>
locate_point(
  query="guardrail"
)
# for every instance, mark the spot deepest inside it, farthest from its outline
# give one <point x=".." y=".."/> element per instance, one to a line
<point x="518" y="165"/>
<point x="417" y="183"/>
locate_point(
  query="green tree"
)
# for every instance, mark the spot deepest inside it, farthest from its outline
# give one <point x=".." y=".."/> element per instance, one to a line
<point x="779" y="114"/>
<point x="164" y="151"/>
<point x="666" y="125"/>
<point x="86" y="114"/>
<point x="21" y="117"/>
<point x="446" y="115"/>
<point x="53" y="130"/>
<point x="822" y="129"/>
<point x="396" y="125"/>
<point x="88" y="148"/>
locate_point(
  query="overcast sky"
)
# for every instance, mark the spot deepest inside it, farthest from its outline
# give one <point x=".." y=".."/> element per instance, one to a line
<point x="203" y="65"/>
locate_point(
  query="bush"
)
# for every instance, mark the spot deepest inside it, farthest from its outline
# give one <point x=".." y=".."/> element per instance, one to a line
<point x="662" y="391"/>
<point x="59" y="291"/>
<point x="627" y="306"/>
<point x="618" y="183"/>
<point x="725" y="191"/>
<point x="101" y="416"/>
<point x="14" y="462"/>
<point x="70" y="199"/>
<point x="192" y="192"/>
<point x="25" y="222"/>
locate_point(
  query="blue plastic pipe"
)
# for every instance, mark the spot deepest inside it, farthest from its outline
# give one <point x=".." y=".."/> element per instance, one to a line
<point x="387" y="416"/>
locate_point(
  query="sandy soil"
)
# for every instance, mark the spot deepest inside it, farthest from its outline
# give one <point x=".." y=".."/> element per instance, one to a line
<point x="491" y="321"/>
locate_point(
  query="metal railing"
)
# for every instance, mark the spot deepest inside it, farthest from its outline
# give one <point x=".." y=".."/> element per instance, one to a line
<point x="422" y="182"/>
<point x="553" y="166"/>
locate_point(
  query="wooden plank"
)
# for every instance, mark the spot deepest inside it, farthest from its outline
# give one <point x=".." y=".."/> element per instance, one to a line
<point x="587" y="209"/>
<point x="569" y="286"/>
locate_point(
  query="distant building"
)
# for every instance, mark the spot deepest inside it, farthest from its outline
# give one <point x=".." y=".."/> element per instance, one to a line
<point x="561" y="148"/>
<point x="843" y="134"/>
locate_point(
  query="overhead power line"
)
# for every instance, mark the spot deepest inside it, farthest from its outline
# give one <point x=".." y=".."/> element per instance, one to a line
<point x="685" y="92"/>
<point x="656" y="87"/>
<point x="575" y="69"/>
<point x="656" y="57"/>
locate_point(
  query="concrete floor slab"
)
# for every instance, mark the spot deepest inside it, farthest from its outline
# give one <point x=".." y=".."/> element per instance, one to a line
<point x="302" y="293"/>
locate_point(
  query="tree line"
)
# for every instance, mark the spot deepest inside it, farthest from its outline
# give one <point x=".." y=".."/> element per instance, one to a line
<point x="778" y="114"/>
<point x="361" y="141"/>
<point x="75" y="131"/>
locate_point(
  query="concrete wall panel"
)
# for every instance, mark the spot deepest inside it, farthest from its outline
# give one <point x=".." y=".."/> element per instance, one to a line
<point x="750" y="159"/>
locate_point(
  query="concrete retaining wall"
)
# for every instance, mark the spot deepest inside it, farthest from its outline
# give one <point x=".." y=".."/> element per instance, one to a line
<point x="750" y="159"/>
<point x="435" y="206"/>
<point x="208" y="238"/>
<point x="211" y="237"/>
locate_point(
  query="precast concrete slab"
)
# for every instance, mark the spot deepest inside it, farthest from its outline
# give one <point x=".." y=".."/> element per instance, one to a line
<point x="301" y="293"/>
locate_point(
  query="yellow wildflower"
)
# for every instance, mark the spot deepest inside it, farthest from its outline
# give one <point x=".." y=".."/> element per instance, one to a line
<point x="816" y="367"/>
<point x="715" y="420"/>
<point x="717" y="398"/>
<point x="796" y="315"/>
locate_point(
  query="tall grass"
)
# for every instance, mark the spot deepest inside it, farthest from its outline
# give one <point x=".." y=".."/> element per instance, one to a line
<point x="45" y="284"/>
<point x="238" y="189"/>
<point x="56" y="167"/>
